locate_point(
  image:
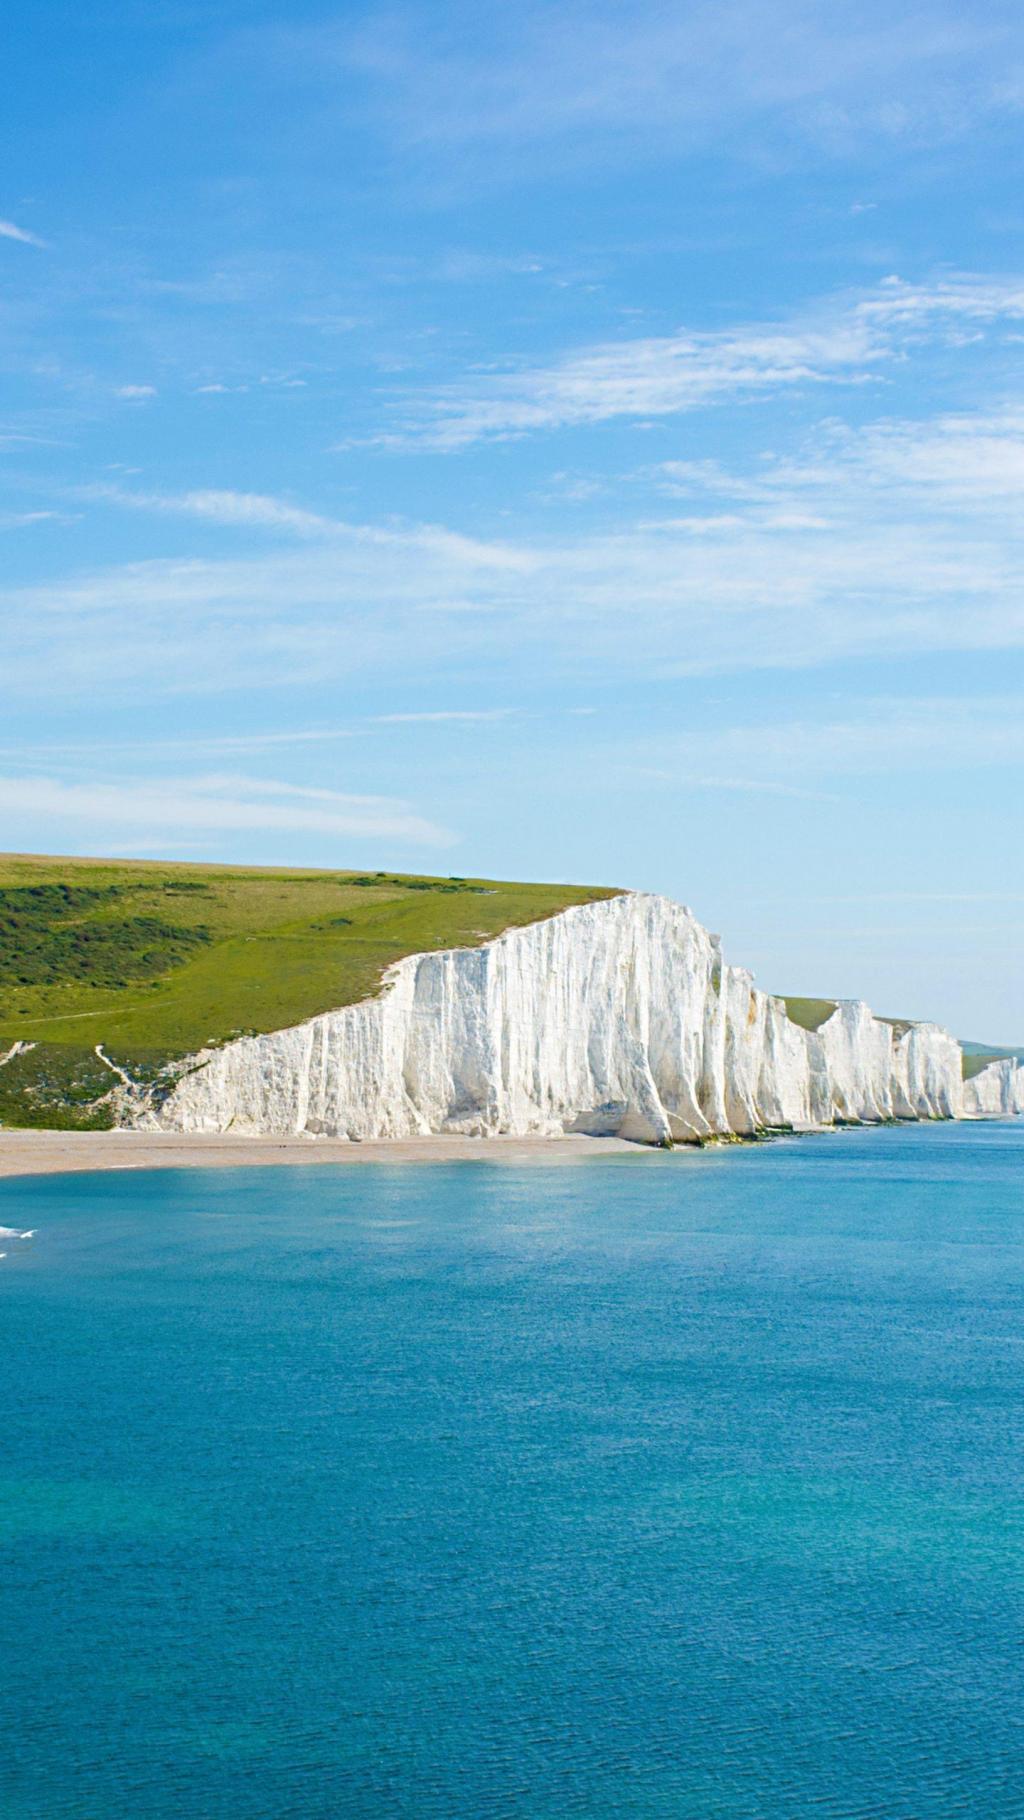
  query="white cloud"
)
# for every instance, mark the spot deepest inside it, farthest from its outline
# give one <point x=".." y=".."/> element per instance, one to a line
<point x="136" y="392"/>
<point x="9" y="230"/>
<point x="844" y="342"/>
<point x="14" y="521"/>
<point x="901" y="537"/>
<point x="883" y="735"/>
<point x="437" y="545"/>
<point x="224" y="803"/>
<point x="973" y="461"/>
<point x="970" y="463"/>
<point x="257" y="510"/>
<point x="45" y="752"/>
<point x="906" y="897"/>
<point x="444" y="714"/>
<point x="963" y="295"/>
<point x="742" y="786"/>
<point x="491" y="88"/>
<point x="654" y="377"/>
<point x="264" y="511"/>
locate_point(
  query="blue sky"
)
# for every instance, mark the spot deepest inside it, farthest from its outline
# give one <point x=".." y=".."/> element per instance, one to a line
<point x="565" y="441"/>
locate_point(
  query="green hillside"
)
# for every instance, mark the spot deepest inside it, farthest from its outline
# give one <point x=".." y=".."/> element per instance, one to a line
<point x="977" y="1056"/>
<point x="155" y="960"/>
<point x="809" y="1013"/>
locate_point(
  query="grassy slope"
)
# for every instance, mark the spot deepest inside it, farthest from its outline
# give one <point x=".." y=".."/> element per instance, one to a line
<point x="209" y="952"/>
<point x="809" y="1013"/>
<point x="977" y="1056"/>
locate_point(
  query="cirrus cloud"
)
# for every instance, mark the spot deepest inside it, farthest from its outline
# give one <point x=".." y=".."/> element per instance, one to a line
<point x="842" y="341"/>
<point x="9" y="230"/>
<point x="184" y="805"/>
<point x="901" y="537"/>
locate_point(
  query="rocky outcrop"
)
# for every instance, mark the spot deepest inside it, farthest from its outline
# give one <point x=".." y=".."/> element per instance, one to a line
<point x="613" y="1017"/>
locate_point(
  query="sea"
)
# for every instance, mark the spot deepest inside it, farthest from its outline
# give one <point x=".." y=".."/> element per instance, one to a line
<point x="682" y="1487"/>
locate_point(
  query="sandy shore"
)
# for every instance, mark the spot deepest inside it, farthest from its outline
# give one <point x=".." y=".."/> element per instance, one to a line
<point x="54" y="1152"/>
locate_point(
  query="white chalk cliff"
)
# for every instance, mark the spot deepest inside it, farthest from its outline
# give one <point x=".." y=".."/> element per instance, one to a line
<point x="995" y="1092"/>
<point x="613" y="1017"/>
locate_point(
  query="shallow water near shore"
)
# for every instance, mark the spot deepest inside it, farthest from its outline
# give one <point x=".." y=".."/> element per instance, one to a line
<point x="662" y="1486"/>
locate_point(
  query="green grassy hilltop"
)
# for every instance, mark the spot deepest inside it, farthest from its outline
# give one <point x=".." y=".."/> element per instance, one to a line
<point x="809" y="1013"/>
<point x="977" y="1056"/>
<point x="155" y="960"/>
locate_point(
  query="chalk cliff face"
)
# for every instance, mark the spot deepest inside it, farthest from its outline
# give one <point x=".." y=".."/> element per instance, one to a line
<point x="995" y="1091"/>
<point x="613" y="1017"/>
<point x="877" y="1071"/>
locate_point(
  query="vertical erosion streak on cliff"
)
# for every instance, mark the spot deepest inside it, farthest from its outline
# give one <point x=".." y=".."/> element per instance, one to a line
<point x="613" y="1017"/>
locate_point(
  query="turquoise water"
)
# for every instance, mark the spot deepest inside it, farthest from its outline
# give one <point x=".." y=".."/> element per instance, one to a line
<point x="656" y="1486"/>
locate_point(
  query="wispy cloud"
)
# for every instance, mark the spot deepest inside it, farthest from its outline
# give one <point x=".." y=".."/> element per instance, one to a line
<point x="970" y="463"/>
<point x="261" y="511"/>
<point x="44" y="752"/>
<point x="901" y="537"/>
<point x="14" y="521"/>
<point x="735" y="786"/>
<point x="610" y="84"/>
<point x="905" y="897"/>
<point x="9" y="230"/>
<point x="250" y="511"/>
<point x="975" y="462"/>
<point x="136" y="394"/>
<point x="967" y="296"/>
<point x="881" y="735"/>
<point x="843" y="342"/>
<point x="222" y="803"/>
<point x="444" y="714"/>
<point x="654" y="377"/>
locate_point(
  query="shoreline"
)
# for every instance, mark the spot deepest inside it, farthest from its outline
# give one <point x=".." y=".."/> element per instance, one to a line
<point x="25" y="1153"/>
<point x="30" y="1153"/>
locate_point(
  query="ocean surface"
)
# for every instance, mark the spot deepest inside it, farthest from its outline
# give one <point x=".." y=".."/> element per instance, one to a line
<point x="662" y="1486"/>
